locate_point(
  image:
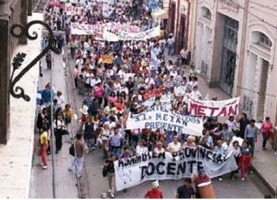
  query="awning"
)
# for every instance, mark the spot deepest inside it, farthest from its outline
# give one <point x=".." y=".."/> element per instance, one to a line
<point x="160" y="14"/>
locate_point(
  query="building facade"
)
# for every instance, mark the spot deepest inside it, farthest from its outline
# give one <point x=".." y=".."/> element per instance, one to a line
<point x="11" y="12"/>
<point x="181" y="22"/>
<point x="234" y="49"/>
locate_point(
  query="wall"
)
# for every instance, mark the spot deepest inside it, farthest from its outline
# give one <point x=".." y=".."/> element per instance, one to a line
<point x="268" y="12"/>
<point x="11" y="12"/>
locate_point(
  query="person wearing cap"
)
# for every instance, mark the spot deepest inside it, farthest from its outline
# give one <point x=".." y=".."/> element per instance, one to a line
<point x="155" y="192"/>
<point x="185" y="191"/>
<point x="199" y="178"/>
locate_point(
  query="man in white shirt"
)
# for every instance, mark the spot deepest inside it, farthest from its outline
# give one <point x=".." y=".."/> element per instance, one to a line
<point x="184" y="56"/>
<point x="174" y="146"/>
<point x="195" y="94"/>
<point x="173" y="73"/>
<point x="123" y="88"/>
<point x="170" y="42"/>
<point x="149" y="81"/>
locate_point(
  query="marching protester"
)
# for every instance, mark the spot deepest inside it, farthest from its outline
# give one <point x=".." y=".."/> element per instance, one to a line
<point x="198" y="179"/>
<point x="186" y="191"/>
<point x="80" y="150"/>
<point x="123" y="77"/>
<point x="251" y="134"/>
<point x="266" y="129"/>
<point x="109" y="165"/>
<point x="155" y="192"/>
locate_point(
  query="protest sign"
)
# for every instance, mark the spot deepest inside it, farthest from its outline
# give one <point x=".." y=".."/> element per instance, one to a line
<point x="158" y="117"/>
<point x="98" y="29"/>
<point x="133" y="171"/>
<point x="73" y="10"/>
<point x="107" y="59"/>
<point x="214" y="108"/>
<point x="112" y="36"/>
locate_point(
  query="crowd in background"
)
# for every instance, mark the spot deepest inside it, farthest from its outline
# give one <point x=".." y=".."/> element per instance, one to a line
<point x="139" y="70"/>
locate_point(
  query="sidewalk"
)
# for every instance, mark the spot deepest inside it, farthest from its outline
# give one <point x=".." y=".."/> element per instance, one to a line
<point x="41" y="183"/>
<point x="264" y="162"/>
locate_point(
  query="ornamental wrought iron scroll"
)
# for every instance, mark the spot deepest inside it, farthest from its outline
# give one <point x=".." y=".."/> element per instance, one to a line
<point x="19" y="31"/>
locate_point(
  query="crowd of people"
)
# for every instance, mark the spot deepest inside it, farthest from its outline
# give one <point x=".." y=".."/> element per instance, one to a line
<point x="136" y="72"/>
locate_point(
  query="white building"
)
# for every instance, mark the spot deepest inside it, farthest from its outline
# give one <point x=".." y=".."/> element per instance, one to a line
<point x="235" y="44"/>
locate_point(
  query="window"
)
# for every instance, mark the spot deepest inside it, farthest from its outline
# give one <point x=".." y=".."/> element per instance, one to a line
<point x="264" y="40"/>
<point x="206" y="13"/>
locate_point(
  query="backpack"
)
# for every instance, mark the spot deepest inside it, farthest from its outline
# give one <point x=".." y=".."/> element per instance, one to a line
<point x="72" y="150"/>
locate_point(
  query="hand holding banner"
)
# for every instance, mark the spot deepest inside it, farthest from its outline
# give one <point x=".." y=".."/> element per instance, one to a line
<point x="166" y="166"/>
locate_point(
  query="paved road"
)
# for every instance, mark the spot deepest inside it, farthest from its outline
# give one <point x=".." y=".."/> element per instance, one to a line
<point x="251" y="188"/>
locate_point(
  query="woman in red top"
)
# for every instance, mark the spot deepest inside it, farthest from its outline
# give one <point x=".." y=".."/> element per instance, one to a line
<point x="155" y="192"/>
<point x="120" y="106"/>
<point x="265" y="129"/>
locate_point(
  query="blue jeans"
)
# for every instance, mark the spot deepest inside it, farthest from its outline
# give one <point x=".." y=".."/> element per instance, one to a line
<point x="116" y="151"/>
<point x="265" y="138"/>
<point x="171" y="49"/>
<point x="78" y="164"/>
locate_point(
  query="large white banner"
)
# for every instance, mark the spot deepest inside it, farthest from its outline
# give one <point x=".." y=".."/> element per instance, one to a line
<point x="158" y="117"/>
<point x="112" y="36"/>
<point x="98" y="29"/>
<point x="183" y="164"/>
<point x="214" y="108"/>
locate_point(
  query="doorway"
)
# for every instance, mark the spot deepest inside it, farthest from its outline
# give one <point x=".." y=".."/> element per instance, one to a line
<point x="229" y="55"/>
<point x="262" y="91"/>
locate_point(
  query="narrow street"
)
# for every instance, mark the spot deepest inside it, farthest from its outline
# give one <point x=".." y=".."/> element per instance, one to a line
<point x="92" y="183"/>
<point x="251" y="188"/>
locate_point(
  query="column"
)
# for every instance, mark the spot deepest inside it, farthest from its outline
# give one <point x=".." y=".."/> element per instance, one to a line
<point x="30" y="7"/>
<point x="23" y="17"/>
<point x="4" y="71"/>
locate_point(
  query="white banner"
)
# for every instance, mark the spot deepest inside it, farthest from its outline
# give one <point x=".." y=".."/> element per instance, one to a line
<point x="112" y="36"/>
<point x="166" y="166"/>
<point x="98" y="29"/>
<point x="214" y="108"/>
<point x="150" y="102"/>
<point x="158" y="117"/>
<point x="73" y="10"/>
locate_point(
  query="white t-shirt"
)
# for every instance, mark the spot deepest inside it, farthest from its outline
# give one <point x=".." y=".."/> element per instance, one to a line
<point x="195" y="94"/>
<point x="172" y="147"/>
<point x="141" y="150"/>
<point x="184" y="54"/>
<point x="170" y="40"/>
